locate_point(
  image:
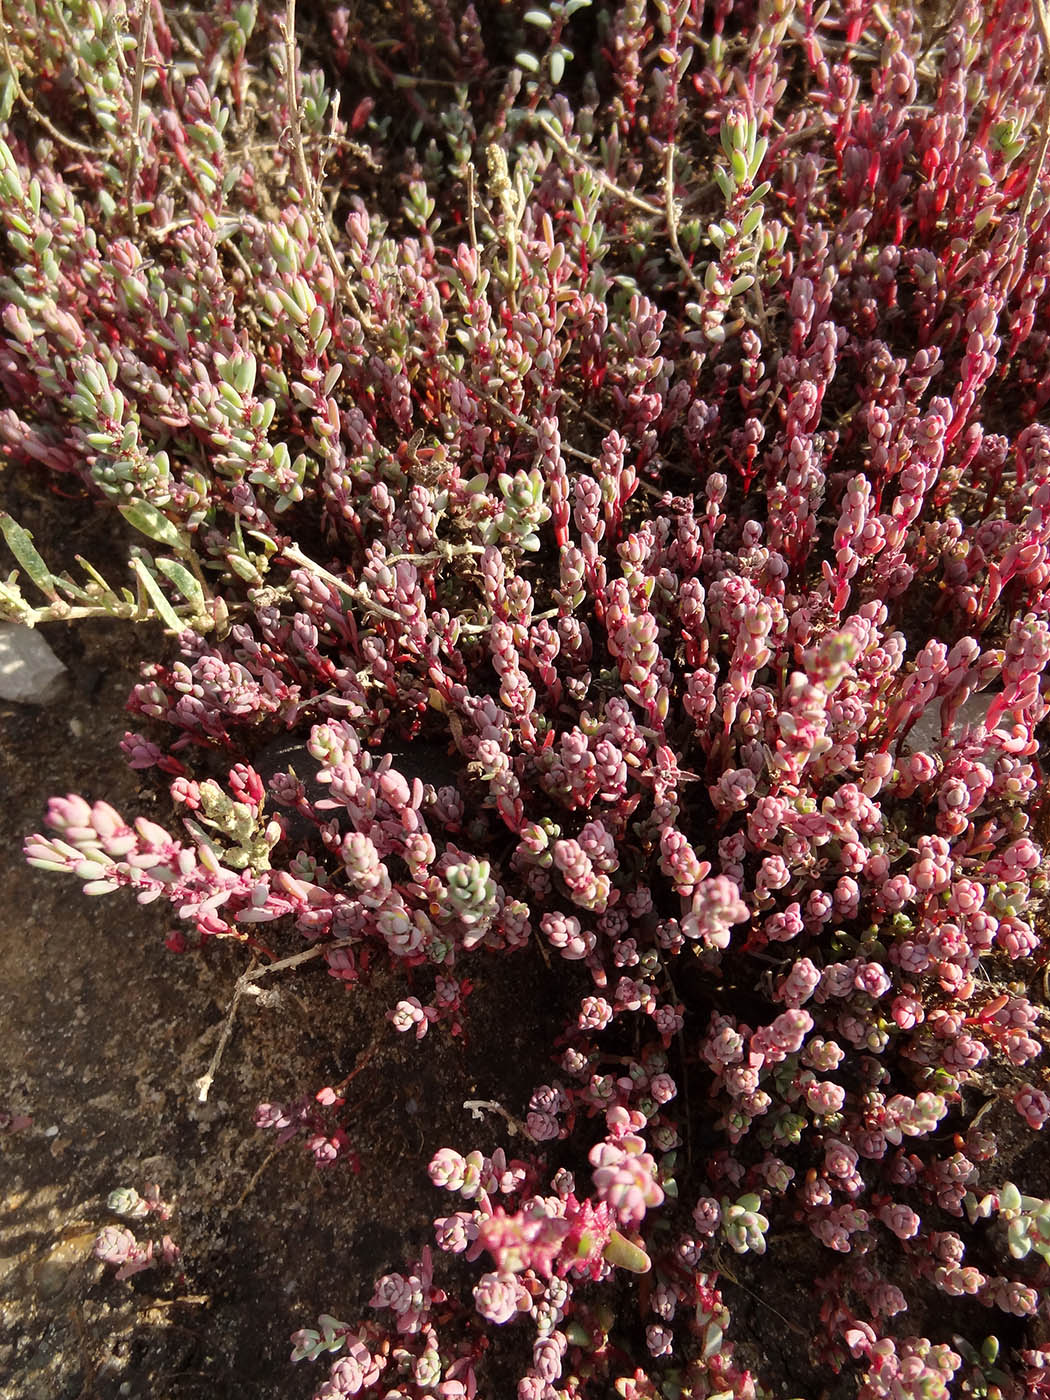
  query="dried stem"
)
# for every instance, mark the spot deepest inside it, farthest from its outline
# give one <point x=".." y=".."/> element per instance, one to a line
<point x="525" y="425"/>
<point x="27" y="101"/>
<point x="244" y="986"/>
<point x="643" y="204"/>
<point x="514" y="1125"/>
<point x="351" y="590"/>
<point x="671" y="209"/>
<point x="145" y="19"/>
<point x="472" y="207"/>
<point x="310" y="192"/>
<point x="1042" y="20"/>
<point x="204" y="1083"/>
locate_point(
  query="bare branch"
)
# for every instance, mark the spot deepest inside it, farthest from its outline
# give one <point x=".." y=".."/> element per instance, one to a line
<point x="28" y="103"/>
<point x="1042" y="20"/>
<point x="310" y="192"/>
<point x="145" y="19"/>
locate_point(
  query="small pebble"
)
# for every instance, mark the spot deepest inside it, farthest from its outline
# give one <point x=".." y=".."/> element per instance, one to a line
<point x="30" y="672"/>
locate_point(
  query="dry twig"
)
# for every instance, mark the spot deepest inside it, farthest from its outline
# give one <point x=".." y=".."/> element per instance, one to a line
<point x="28" y="103"/>
<point x="310" y="192"/>
<point x="672" y="220"/>
<point x="244" y="986"/>
<point x="145" y="20"/>
<point x="1042" y="20"/>
<point x="600" y="175"/>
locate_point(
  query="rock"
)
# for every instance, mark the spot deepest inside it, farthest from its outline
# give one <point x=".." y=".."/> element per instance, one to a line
<point x="52" y="1273"/>
<point x="925" y="734"/>
<point x="30" y="672"/>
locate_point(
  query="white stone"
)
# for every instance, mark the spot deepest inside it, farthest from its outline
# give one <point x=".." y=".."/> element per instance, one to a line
<point x="925" y="734"/>
<point x="30" y="672"/>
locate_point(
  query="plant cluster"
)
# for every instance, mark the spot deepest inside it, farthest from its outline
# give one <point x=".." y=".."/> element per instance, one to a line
<point x="118" y="1245"/>
<point x="648" y="417"/>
